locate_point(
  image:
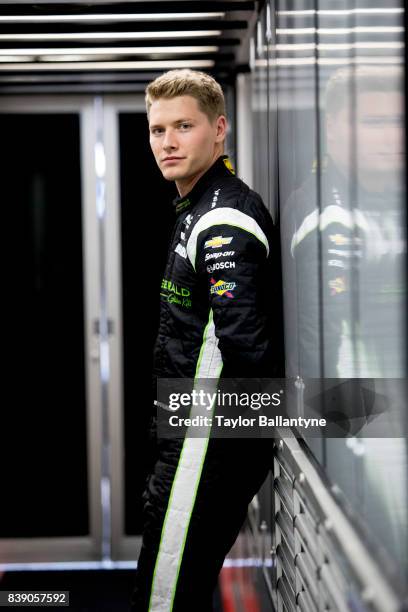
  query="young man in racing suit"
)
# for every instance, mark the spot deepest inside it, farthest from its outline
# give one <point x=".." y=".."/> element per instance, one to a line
<point x="216" y="298"/>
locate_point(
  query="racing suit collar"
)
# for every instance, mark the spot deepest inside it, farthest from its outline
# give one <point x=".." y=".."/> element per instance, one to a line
<point x="220" y="168"/>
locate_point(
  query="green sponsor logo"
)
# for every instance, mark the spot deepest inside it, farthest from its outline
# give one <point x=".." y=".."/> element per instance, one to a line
<point x="175" y="294"/>
<point x="182" y="205"/>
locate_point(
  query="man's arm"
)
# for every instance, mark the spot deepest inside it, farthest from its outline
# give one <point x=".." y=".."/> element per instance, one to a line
<point x="233" y="261"/>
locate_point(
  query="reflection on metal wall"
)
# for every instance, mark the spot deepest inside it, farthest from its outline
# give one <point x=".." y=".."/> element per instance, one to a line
<point x="328" y="107"/>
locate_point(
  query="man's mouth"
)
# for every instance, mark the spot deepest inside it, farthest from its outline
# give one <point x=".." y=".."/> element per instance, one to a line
<point x="171" y="159"/>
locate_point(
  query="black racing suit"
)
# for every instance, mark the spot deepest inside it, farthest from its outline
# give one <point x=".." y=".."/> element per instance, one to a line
<point x="216" y="300"/>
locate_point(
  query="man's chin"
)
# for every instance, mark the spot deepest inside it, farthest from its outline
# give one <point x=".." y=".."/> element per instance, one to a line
<point x="172" y="175"/>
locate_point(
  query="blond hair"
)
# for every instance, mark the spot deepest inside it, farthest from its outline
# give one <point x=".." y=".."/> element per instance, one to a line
<point x="186" y="82"/>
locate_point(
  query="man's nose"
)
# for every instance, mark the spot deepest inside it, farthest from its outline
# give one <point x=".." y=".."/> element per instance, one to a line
<point x="169" y="140"/>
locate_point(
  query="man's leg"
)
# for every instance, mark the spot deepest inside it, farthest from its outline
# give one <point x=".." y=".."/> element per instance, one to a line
<point x="195" y="504"/>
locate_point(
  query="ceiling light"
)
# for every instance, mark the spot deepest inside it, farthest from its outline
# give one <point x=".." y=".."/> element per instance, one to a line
<point x="142" y="65"/>
<point x="17" y="58"/>
<point x="110" y="51"/>
<point x="113" y="35"/>
<point x="112" y="17"/>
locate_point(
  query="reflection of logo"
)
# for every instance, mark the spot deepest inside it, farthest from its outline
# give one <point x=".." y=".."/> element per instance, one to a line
<point x="339" y="239"/>
<point x="338" y="285"/>
<point x="228" y="165"/>
<point x="217" y="242"/>
<point x="222" y="288"/>
<point x="337" y="263"/>
<point x="220" y="265"/>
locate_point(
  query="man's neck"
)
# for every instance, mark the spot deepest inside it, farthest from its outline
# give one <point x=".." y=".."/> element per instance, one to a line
<point x="184" y="186"/>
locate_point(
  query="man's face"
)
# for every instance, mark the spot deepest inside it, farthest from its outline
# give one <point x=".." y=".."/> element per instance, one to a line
<point x="183" y="140"/>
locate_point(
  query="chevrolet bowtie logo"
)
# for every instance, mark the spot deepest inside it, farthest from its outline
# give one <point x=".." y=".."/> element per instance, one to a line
<point x="216" y="242"/>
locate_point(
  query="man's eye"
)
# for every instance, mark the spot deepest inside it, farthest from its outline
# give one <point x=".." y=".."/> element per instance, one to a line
<point x="156" y="131"/>
<point x="185" y="126"/>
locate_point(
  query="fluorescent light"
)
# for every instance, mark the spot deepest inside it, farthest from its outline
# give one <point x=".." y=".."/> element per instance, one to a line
<point x="334" y="12"/>
<point x="142" y="65"/>
<point x="113" y="35"/>
<point x="342" y="31"/>
<point x="71" y="57"/>
<point x="110" y="50"/>
<point x="17" y="58"/>
<point x="112" y="17"/>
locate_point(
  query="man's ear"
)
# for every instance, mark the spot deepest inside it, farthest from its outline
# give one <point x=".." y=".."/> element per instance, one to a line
<point x="221" y="124"/>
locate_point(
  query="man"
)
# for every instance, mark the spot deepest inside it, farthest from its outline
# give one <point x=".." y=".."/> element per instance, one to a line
<point x="215" y="302"/>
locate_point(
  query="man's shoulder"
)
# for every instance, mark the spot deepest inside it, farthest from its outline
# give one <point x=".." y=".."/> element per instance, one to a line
<point x="233" y="193"/>
<point x="223" y="191"/>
